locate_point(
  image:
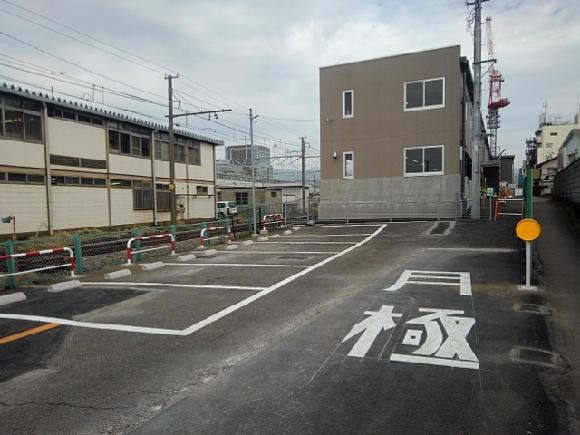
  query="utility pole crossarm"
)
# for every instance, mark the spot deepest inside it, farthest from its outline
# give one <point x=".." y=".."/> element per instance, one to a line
<point x="203" y="112"/>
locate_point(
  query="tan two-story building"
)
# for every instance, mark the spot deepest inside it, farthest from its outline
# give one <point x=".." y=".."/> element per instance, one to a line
<point x="395" y="137"/>
<point x="65" y="165"/>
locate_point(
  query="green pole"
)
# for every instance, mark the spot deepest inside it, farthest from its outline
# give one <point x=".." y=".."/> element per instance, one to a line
<point x="136" y="232"/>
<point x="10" y="263"/>
<point x="78" y="251"/>
<point x="528" y="191"/>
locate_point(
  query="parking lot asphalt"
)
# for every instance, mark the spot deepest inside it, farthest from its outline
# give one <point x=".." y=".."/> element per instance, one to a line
<point x="388" y="328"/>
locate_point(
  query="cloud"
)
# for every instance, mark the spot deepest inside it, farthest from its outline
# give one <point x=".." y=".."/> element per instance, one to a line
<point x="266" y="54"/>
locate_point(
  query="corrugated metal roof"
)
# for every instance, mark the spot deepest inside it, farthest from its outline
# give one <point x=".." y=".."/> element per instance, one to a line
<point x="86" y="108"/>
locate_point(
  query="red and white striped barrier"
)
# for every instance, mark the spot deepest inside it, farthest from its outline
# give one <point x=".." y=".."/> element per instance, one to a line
<point x="204" y="235"/>
<point x="273" y="219"/>
<point x="70" y="264"/>
<point x="131" y="251"/>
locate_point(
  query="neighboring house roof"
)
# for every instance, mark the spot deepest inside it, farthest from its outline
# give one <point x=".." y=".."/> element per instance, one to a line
<point x="553" y="160"/>
<point x="80" y="107"/>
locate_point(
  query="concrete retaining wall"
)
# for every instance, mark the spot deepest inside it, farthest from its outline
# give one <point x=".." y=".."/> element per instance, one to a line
<point x="390" y="198"/>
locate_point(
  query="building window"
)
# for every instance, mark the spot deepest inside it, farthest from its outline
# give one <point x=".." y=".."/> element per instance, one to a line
<point x="202" y="190"/>
<point x="348" y="164"/>
<point x="194" y="154"/>
<point x="424" y="94"/>
<point x="424" y="161"/>
<point x="242" y="198"/>
<point x="347" y="104"/>
<point x="554" y="133"/>
<point x="273" y="194"/>
<point x="20" y="119"/>
<point x="129" y="139"/>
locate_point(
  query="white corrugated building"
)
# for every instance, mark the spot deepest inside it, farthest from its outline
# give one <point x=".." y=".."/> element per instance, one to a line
<point x="66" y="165"/>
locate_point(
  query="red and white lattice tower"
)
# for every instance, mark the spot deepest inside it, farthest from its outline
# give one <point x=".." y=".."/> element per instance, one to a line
<point x="495" y="101"/>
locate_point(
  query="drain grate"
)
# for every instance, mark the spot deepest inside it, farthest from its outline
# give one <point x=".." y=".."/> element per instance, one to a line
<point x="545" y="358"/>
<point x="532" y="309"/>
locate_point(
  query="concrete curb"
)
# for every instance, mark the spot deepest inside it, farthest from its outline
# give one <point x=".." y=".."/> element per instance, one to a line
<point x="186" y="257"/>
<point x="12" y="298"/>
<point x="287" y="233"/>
<point x="275" y="236"/>
<point x="262" y="239"/>
<point x="296" y="228"/>
<point x="152" y="266"/>
<point x="209" y="253"/>
<point x="117" y="274"/>
<point x="65" y="285"/>
<point x="231" y="247"/>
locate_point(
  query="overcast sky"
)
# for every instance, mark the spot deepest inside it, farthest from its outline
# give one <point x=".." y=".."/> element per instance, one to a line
<point x="266" y="54"/>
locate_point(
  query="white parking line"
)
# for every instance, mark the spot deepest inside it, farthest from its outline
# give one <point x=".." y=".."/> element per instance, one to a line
<point x="329" y="235"/>
<point x="350" y="226"/>
<point x="158" y="284"/>
<point x="199" y="325"/>
<point x="281" y="252"/>
<point x="479" y="250"/>
<point x="231" y="265"/>
<point x="310" y="243"/>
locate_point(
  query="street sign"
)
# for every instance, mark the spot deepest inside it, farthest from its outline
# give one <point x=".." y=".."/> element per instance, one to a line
<point x="528" y="229"/>
<point x="171" y="186"/>
<point x="490" y="192"/>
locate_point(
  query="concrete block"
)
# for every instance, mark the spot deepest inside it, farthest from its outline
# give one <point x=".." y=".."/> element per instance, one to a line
<point x="263" y="239"/>
<point x="230" y="242"/>
<point x="275" y="236"/>
<point x="12" y="298"/>
<point x="264" y="232"/>
<point x="65" y="285"/>
<point x="247" y="242"/>
<point x="117" y="274"/>
<point x="200" y="248"/>
<point x="188" y="257"/>
<point x="152" y="266"/>
<point x="208" y="253"/>
<point x="296" y="228"/>
<point x="287" y="233"/>
<point x="255" y="236"/>
<point x="231" y="247"/>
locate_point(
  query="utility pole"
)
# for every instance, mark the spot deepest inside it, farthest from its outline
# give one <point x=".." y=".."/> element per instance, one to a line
<point x="170" y="117"/>
<point x="476" y="121"/>
<point x="172" y="194"/>
<point x="252" y="155"/>
<point x="303" y="140"/>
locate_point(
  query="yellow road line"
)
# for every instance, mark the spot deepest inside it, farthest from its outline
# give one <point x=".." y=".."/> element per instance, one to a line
<point x="28" y="332"/>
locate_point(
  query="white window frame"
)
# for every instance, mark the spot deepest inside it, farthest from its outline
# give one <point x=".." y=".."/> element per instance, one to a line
<point x="344" y="176"/>
<point x="423" y="107"/>
<point x="345" y="116"/>
<point x="423" y="173"/>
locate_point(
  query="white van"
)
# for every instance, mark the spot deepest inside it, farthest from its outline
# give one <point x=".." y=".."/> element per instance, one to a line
<point x="225" y="208"/>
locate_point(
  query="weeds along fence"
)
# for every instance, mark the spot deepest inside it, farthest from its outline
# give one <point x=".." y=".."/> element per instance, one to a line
<point x="95" y="251"/>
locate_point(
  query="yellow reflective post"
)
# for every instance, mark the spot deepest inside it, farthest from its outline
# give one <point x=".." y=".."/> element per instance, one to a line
<point x="528" y="230"/>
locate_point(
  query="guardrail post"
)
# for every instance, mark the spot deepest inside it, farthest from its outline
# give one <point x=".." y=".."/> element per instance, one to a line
<point x="78" y="253"/>
<point x="203" y="226"/>
<point x="136" y="232"/>
<point x="10" y="263"/>
<point x="173" y="232"/>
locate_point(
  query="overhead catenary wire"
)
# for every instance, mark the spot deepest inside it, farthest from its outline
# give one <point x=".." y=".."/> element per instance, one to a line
<point x="189" y="83"/>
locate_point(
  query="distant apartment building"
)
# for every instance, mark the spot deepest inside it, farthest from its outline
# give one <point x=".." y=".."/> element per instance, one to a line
<point x="395" y="137"/>
<point x="570" y="149"/>
<point x="241" y="156"/>
<point x="65" y="165"/>
<point x="550" y="135"/>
